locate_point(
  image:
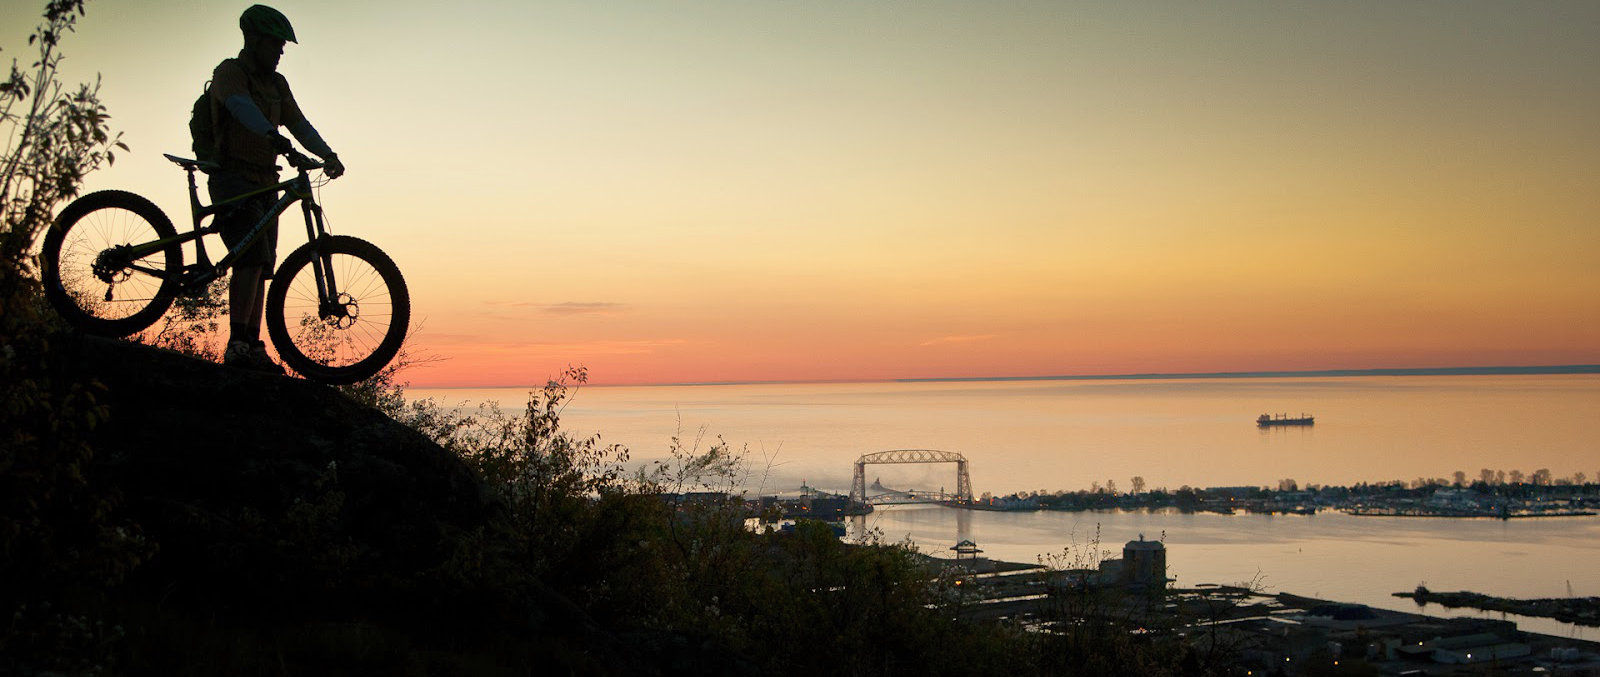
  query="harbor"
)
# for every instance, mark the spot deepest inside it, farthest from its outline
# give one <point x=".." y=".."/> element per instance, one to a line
<point x="1253" y="626"/>
<point x="1325" y="555"/>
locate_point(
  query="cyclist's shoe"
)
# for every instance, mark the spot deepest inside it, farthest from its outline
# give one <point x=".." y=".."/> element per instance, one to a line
<point x="251" y="355"/>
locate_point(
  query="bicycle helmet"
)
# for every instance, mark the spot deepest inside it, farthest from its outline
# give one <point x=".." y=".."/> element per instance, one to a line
<point x="264" y="20"/>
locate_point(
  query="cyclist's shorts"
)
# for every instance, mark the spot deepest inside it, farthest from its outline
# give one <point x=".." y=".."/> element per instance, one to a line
<point x="237" y="222"/>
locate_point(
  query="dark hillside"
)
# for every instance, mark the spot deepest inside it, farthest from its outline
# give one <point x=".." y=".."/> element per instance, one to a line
<point x="280" y="518"/>
<point x="221" y="522"/>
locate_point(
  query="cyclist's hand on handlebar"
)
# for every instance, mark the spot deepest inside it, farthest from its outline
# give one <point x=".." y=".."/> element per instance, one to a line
<point x="333" y="167"/>
<point x="299" y="160"/>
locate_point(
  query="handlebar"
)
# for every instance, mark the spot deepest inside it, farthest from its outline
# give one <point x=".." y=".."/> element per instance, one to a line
<point x="301" y="161"/>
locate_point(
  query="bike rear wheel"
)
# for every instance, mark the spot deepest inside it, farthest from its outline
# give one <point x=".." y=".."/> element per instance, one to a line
<point x="349" y="332"/>
<point x="91" y="277"/>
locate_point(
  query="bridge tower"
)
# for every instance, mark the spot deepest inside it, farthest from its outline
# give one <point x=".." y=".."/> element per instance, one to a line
<point x="858" y="484"/>
<point x="963" y="481"/>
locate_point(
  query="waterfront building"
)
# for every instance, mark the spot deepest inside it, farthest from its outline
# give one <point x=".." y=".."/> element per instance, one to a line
<point x="1144" y="563"/>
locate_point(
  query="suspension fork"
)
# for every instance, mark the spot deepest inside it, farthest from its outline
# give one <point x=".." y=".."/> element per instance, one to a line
<point x="328" y="305"/>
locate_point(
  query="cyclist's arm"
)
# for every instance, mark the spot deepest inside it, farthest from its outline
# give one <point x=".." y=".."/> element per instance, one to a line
<point x="308" y="137"/>
<point x="245" y="111"/>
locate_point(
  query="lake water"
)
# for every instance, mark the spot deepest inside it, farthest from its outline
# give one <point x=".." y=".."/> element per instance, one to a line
<point x="1065" y="435"/>
<point x="1051" y="435"/>
<point x="1329" y="555"/>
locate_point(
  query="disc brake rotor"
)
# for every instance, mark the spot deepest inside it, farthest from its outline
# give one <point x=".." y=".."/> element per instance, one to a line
<point x="342" y="312"/>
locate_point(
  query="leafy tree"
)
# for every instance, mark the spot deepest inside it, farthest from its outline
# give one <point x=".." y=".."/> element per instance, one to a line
<point x="55" y="138"/>
<point x="58" y="532"/>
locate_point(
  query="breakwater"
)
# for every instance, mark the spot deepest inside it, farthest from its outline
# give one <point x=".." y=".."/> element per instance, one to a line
<point x="1578" y="610"/>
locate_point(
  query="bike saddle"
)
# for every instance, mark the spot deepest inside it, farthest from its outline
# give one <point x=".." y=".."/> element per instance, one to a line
<point x="192" y="165"/>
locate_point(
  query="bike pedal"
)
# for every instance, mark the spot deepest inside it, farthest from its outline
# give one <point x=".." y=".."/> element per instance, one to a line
<point x="192" y="282"/>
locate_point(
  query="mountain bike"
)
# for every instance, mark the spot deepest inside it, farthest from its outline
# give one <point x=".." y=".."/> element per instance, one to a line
<point x="337" y="308"/>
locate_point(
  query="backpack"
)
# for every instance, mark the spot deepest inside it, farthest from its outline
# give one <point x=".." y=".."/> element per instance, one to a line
<point x="204" y="129"/>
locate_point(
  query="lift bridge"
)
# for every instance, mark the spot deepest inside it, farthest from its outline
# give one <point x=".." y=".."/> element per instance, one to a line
<point x="963" y="493"/>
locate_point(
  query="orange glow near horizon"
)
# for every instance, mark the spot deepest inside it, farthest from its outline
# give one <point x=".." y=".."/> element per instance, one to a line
<point x="767" y="191"/>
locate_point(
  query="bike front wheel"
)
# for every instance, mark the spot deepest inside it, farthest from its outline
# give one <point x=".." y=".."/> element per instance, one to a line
<point x="337" y="310"/>
<point x="101" y="270"/>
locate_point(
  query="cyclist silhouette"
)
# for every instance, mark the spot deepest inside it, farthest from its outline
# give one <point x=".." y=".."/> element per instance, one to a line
<point x="251" y="101"/>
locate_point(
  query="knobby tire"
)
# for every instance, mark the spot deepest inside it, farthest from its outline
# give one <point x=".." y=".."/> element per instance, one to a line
<point x="92" y="224"/>
<point x="342" y="350"/>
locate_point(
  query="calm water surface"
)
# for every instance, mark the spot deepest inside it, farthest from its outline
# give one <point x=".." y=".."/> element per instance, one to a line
<point x="1051" y="435"/>
<point x="1055" y="435"/>
<point x="1329" y="555"/>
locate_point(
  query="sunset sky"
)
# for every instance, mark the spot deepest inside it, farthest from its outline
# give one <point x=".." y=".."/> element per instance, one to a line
<point x="751" y="190"/>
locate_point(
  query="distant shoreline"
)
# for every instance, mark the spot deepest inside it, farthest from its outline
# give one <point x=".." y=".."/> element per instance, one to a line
<point x="1549" y="370"/>
<point x="1559" y="369"/>
<point x="1432" y="371"/>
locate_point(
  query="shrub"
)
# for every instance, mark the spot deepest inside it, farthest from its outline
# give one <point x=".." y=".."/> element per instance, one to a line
<point x="58" y="532"/>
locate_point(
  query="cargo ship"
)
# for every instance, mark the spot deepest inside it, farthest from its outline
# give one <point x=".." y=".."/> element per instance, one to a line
<point x="1267" y="421"/>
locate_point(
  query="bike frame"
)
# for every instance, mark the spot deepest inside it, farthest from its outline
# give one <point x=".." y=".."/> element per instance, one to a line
<point x="203" y="272"/>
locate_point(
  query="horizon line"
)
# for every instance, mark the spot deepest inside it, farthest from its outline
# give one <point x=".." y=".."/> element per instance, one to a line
<point x="1386" y="371"/>
<point x="1536" y="370"/>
